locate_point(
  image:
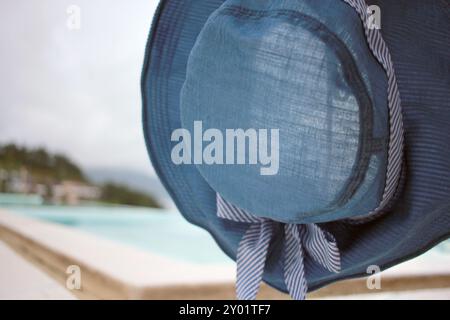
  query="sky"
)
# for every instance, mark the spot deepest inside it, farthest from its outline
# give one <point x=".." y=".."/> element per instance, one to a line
<point x="75" y="91"/>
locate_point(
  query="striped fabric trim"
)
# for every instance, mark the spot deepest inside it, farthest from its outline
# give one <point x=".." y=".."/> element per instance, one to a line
<point x="301" y="241"/>
<point x="396" y="139"/>
<point x="309" y="240"/>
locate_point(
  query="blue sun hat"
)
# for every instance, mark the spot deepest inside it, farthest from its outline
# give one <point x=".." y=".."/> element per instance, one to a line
<point x="309" y="138"/>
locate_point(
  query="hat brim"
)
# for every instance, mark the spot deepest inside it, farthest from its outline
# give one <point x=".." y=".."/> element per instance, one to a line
<point x="419" y="220"/>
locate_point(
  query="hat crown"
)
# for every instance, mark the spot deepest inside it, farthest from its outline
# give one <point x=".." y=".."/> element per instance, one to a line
<point x="286" y="91"/>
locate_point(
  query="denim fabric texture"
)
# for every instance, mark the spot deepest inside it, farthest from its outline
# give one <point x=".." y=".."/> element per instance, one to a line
<point x="283" y="68"/>
<point x="255" y="75"/>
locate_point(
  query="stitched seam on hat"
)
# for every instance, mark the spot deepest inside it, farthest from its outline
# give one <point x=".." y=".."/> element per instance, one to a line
<point x="395" y="158"/>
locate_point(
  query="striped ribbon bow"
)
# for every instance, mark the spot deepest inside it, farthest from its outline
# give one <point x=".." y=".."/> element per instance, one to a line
<point x="299" y="239"/>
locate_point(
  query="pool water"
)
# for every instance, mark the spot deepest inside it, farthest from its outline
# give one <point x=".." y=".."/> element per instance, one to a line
<point x="158" y="231"/>
<point x="162" y="232"/>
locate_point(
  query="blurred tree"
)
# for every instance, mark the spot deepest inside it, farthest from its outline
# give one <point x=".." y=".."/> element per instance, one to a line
<point x="48" y="169"/>
<point x="120" y="194"/>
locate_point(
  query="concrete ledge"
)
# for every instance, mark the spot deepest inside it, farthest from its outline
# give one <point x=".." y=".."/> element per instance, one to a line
<point x="111" y="270"/>
<point x="21" y="280"/>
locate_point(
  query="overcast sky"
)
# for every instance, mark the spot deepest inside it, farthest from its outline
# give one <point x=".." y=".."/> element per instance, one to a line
<point x="75" y="91"/>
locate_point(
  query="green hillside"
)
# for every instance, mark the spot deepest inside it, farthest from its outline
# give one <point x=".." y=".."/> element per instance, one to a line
<point x="49" y="170"/>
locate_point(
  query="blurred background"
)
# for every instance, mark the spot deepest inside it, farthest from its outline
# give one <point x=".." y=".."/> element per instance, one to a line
<point x="72" y="151"/>
<point x="74" y="166"/>
<point x="70" y="102"/>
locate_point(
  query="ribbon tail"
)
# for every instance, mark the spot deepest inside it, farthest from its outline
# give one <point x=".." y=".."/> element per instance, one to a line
<point x="294" y="268"/>
<point x="251" y="259"/>
<point x="322" y="247"/>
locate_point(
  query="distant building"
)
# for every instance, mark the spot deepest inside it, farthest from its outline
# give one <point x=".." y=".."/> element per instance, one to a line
<point x="73" y="192"/>
<point x="65" y="192"/>
<point x="17" y="181"/>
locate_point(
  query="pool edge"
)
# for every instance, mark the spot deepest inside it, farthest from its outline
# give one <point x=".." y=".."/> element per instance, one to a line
<point x="98" y="284"/>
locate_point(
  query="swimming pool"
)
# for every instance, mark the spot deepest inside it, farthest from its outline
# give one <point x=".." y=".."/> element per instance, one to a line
<point x="162" y="232"/>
